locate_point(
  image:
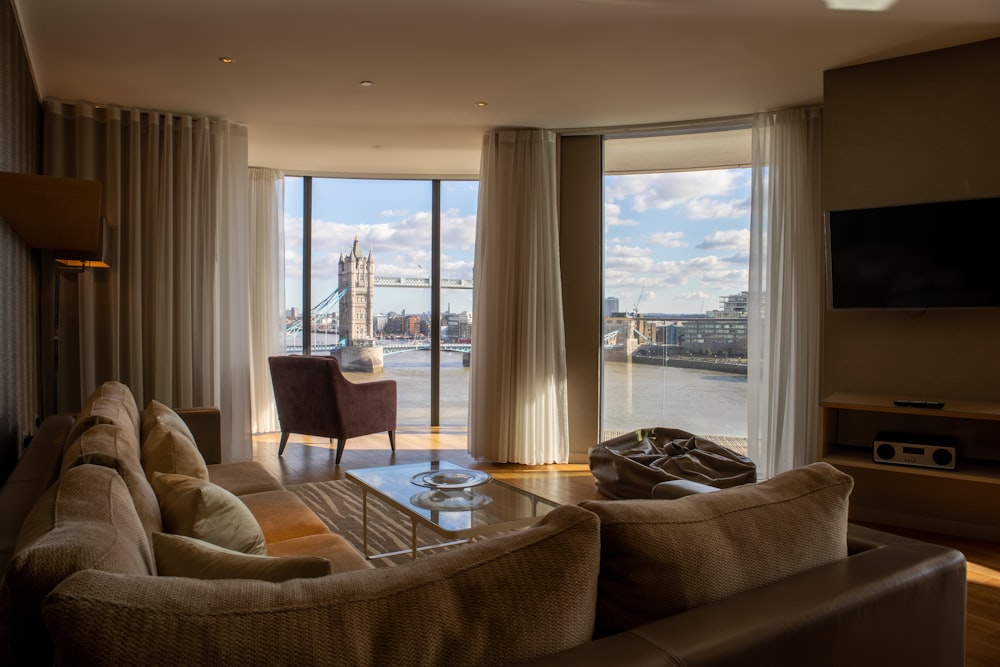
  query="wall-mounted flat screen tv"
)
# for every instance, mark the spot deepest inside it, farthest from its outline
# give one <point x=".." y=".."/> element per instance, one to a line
<point x="938" y="255"/>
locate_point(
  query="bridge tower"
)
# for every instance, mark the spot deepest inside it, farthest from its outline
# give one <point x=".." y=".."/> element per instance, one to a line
<point x="357" y="314"/>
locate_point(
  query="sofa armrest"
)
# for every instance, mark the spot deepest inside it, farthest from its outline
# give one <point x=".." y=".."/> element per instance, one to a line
<point x="206" y="427"/>
<point x="35" y="471"/>
<point x="894" y="602"/>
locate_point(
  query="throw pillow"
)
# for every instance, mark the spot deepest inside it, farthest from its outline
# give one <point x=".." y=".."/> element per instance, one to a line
<point x="200" y="509"/>
<point x="168" y="449"/>
<point x="180" y="556"/>
<point x="660" y="557"/>
<point x="85" y="521"/>
<point x="499" y="601"/>
<point x="112" y="447"/>
<point x="111" y="403"/>
<point x="160" y="413"/>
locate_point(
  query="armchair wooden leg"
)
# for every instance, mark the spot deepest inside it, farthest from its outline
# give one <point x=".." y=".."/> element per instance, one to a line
<point x="340" y="449"/>
<point x="392" y="440"/>
<point x="284" y="441"/>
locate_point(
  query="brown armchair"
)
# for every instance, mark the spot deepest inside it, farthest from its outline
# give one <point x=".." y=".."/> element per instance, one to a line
<point x="314" y="398"/>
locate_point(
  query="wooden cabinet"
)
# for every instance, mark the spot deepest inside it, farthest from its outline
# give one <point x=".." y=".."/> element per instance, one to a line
<point x="963" y="501"/>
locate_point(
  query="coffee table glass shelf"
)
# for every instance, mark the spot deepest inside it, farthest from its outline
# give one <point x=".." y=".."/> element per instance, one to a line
<point x="453" y="502"/>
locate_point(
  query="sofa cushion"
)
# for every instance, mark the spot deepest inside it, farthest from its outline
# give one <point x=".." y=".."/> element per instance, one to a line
<point x="243" y="477"/>
<point x="343" y="557"/>
<point x="180" y="556"/>
<point x="169" y="449"/>
<point x="504" y="600"/>
<point x="111" y="446"/>
<point x="110" y="403"/>
<point x="86" y="520"/>
<point x="200" y="509"/>
<point x="282" y="515"/>
<point x="660" y="557"/>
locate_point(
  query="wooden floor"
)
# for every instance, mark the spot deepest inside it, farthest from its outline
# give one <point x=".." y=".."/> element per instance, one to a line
<point x="312" y="460"/>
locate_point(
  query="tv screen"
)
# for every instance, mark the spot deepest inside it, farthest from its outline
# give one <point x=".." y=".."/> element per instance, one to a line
<point x="939" y="255"/>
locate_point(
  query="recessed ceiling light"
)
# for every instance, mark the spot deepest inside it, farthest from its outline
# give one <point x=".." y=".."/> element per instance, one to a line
<point x="226" y="60"/>
<point x="367" y="84"/>
<point x="481" y="104"/>
<point x="377" y="147"/>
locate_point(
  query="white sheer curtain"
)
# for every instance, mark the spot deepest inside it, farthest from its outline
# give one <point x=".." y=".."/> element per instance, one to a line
<point x="267" y="303"/>
<point x="786" y="297"/>
<point x="517" y="396"/>
<point x="171" y="317"/>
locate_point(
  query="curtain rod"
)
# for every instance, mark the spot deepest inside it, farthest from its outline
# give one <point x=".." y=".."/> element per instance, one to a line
<point x="176" y="115"/>
<point x="677" y="127"/>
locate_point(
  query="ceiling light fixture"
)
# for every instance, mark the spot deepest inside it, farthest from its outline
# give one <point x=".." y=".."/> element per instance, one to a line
<point x="860" y="5"/>
<point x="226" y="60"/>
<point x="367" y="84"/>
<point x="481" y="104"/>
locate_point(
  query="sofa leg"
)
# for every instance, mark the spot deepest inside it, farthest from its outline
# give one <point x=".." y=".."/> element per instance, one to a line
<point x="340" y="449"/>
<point x="284" y="441"/>
<point x="392" y="440"/>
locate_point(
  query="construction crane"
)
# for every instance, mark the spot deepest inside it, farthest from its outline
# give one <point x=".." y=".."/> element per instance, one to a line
<point x="635" y="306"/>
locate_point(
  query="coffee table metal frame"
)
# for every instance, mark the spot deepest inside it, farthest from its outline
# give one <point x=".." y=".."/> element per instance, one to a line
<point x="391" y="485"/>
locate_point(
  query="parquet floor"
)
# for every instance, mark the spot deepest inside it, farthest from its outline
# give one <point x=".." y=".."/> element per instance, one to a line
<point x="311" y="460"/>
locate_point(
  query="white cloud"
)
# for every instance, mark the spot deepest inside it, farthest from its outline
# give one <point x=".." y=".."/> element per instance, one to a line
<point x="731" y="239"/>
<point x="612" y="217"/>
<point x="669" y="239"/>
<point x="394" y="213"/>
<point x="667" y="190"/>
<point x="705" y="208"/>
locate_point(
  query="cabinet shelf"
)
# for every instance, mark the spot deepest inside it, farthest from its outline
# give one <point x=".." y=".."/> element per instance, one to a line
<point x="945" y="500"/>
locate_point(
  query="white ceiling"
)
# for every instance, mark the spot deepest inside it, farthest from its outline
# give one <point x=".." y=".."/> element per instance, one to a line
<point x="538" y="63"/>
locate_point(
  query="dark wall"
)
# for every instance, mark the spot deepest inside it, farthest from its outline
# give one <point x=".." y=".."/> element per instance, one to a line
<point x="905" y="131"/>
<point x="19" y="150"/>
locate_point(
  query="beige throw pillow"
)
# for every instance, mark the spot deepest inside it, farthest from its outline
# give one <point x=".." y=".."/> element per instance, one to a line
<point x="111" y="403"/>
<point x="660" y="557"/>
<point x="200" y="509"/>
<point x="85" y="521"/>
<point x="168" y="449"/>
<point x="180" y="556"/>
<point x="112" y="447"/>
<point x="160" y="413"/>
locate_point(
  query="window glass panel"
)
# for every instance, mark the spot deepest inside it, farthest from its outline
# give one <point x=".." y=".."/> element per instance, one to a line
<point x="676" y="258"/>
<point x="389" y="222"/>
<point x="293" y="264"/>
<point x="459" y="201"/>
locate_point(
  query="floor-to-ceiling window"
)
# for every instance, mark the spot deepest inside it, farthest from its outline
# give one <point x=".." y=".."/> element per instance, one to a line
<point x="418" y="237"/>
<point x="676" y="259"/>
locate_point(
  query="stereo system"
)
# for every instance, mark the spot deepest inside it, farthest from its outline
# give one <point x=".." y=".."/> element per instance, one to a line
<point x="908" y="449"/>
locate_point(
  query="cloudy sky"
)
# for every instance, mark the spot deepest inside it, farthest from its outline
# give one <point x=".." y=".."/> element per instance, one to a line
<point x="682" y="239"/>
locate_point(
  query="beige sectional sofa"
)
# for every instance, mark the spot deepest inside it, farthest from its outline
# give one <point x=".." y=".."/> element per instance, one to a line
<point x="136" y="549"/>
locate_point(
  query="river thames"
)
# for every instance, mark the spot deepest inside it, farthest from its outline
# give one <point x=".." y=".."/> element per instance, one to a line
<point x="635" y="395"/>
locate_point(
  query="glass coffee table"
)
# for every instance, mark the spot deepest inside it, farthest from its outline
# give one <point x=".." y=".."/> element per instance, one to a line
<point x="440" y="500"/>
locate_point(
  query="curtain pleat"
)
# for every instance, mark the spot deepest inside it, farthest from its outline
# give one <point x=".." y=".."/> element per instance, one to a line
<point x="786" y="305"/>
<point x="517" y="398"/>
<point x="172" y="187"/>
<point x="267" y="188"/>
